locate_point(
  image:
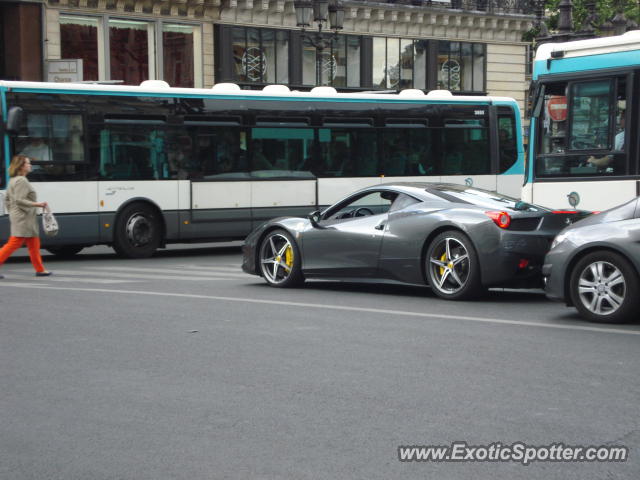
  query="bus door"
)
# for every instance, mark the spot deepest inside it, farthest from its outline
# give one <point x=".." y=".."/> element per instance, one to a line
<point x="219" y="187"/>
<point x="283" y="182"/>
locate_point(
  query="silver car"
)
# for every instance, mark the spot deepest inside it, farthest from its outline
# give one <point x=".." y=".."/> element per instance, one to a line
<point x="457" y="239"/>
<point x="594" y="264"/>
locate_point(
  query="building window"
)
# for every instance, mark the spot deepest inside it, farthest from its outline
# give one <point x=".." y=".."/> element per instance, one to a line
<point x="134" y="50"/>
<point x="399" y="63"/>
<point x="131" y="46"/>
<point x="79" y="39"/>
<point x="339" y="64"/>
<point x="260" y="55"/>
<point x="461" y="66"/>
<point x="178" y="55"/>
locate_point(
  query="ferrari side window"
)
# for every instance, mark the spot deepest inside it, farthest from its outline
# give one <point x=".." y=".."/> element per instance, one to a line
<point x="374" y="203"/>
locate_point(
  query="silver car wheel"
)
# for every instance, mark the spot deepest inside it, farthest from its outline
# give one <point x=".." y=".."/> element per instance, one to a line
<point x="276" y="258"/>
<point x="602" y="288"/>
<point x="449" y="264"/>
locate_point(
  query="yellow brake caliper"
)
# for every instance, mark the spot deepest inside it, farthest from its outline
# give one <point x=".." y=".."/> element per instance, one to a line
<point x="443" y="258"/>
<point x="288" y="257"/>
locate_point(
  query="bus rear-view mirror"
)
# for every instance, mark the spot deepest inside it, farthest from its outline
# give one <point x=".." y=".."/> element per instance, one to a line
<point x="14" y="120"/>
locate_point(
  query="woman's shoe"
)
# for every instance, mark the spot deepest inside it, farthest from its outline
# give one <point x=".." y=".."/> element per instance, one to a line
<point x="43" y="274"/>
<point x="1" y="277"/>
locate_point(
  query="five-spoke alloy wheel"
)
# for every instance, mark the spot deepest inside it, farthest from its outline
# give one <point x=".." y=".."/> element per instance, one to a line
<point x="280" y="260"/>
<point x="604" y="287"/>
<point x="452" y="266"/>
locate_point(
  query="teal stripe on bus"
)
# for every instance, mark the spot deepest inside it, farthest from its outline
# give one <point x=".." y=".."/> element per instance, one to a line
<point x="587" y="63"/>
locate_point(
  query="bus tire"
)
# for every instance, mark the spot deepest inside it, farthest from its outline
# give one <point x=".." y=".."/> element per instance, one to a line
<point x="138" y="231"/>
<point x="66" y="251"/>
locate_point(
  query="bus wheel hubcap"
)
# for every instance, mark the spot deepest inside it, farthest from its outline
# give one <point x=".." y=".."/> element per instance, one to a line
<point x="139" y="230"/>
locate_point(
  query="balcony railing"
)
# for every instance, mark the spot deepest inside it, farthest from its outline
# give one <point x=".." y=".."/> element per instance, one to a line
<point x="522" y="7"/>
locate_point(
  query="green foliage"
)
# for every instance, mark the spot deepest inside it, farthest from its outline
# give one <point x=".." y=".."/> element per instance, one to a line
<point x="605" y="9"/>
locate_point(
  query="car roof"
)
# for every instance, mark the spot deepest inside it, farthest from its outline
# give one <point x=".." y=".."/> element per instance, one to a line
<point x="420" y="188"/>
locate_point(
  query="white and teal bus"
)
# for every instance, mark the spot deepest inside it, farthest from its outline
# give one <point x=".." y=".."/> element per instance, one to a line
<point x="138" y="167"/>
<point x="583" y="142"/>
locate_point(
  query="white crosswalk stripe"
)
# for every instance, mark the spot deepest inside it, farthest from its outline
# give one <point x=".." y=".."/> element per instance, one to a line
<point x="113" y="274"/>
<point x="222" y="268"/>
<point x="21" y="275"/>
<point x="213" y="271"/>
<point x="141" y="276"/>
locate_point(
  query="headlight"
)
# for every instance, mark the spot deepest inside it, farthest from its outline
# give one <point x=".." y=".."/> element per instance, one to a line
<point x="559" y="239"/>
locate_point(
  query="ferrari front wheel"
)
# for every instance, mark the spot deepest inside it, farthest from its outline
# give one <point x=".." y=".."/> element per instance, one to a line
<point x="280" y="263"/>
<point x="452" y="266"/>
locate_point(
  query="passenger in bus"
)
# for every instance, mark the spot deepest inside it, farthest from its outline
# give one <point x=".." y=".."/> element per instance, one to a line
<point x="260" y="162"/>
<point x="37" y="149"/>
<point x="225" y="165"/>
<point x="339" y="158"/>
<point x="179" y="157"/>
<point x="22" y="205"/>
<point x="605" y="162"/>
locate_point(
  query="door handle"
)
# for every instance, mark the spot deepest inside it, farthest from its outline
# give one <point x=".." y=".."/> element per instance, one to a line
<point x="380" y="226"/>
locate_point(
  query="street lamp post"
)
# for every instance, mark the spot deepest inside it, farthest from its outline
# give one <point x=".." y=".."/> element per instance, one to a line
<point x="322" y="12"/>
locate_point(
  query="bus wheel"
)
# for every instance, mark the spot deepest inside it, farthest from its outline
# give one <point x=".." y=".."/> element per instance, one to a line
<point x="137" y="232"/>
<point x="67" y="251"/>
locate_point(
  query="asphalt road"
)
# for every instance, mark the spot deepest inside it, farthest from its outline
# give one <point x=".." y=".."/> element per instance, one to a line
<point x="183" y="367"/>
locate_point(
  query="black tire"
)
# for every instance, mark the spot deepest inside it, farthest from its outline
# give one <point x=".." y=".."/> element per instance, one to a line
<point x="604" y="287"/>
<point x="454" y="275"/>
<point x="66" y="251"/>
<point x="279" y="260"/>
<point x="138" y="231"/>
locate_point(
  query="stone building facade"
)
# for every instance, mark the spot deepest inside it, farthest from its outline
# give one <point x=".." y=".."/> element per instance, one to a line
<point x="466" y="46"/>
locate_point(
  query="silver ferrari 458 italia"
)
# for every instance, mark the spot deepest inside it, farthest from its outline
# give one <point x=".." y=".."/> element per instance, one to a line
<point x="458" y="240"/>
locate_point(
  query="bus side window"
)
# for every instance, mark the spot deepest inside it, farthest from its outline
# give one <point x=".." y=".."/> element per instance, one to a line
<point x="127" y="154"/>
<point x="591" y="115"/>
<point x="507" y="145"/>
<point x="465" y="147"/>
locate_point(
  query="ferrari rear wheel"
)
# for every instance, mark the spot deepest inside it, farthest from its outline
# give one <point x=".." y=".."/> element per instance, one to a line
<point x="452" y="266"/>
<point x="280" y="260"/>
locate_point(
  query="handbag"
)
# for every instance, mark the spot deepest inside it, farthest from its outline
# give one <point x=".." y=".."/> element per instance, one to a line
<point x="49" y="223"/>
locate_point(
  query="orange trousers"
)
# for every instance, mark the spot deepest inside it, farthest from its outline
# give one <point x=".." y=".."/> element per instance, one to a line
<point x="33" y="244"/>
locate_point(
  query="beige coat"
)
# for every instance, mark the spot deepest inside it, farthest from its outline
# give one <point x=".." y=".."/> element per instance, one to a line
<point x="20" y="200"/>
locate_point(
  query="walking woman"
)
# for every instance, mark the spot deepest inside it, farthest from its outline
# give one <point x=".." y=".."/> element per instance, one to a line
<point x="23" y="208"/>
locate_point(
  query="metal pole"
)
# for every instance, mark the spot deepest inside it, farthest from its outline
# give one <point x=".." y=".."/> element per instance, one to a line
<point x="319" y="50"/>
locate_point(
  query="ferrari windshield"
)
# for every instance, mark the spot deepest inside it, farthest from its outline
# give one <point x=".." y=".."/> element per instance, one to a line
<point x="482" y="198"/>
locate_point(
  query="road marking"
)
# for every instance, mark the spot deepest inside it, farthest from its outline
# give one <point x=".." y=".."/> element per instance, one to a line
<point x="53" y="278"/>
<point x="237" y="269"/>
<point x="375" y="311"/>
<point x="238" y="273"/>
<point x="140" y="276"/>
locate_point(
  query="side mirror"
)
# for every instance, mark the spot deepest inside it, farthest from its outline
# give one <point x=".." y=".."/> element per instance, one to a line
<point x="14" y="120"/>
<point x="315" y="217"/>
